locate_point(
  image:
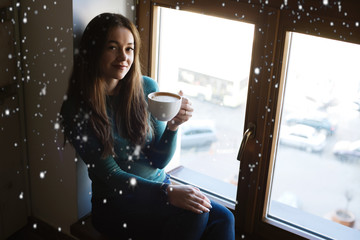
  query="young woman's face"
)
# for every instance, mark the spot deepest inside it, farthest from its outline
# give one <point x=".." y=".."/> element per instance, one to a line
<point x="118" y="54"/>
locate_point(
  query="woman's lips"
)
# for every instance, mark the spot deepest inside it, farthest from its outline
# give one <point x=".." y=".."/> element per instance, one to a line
<point x="120" y="67"/>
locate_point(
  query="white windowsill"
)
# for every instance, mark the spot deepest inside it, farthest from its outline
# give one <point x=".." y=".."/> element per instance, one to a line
<point x="216" y="190"/>
<point x="282" y="215"/>
<point x="312" y="227"/>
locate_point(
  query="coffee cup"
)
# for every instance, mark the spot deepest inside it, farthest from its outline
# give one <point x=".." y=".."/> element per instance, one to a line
<point x="164" y="105"/>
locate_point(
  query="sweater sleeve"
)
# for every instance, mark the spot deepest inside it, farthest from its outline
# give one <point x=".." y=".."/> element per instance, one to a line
<point x="105" y="174"/>
<point x="163" y="146"/>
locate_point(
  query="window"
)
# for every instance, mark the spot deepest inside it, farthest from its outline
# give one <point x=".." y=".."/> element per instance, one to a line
<point x="302" y="98"/>
<point x="316" y="167"/>
<point x="215" y="80"/>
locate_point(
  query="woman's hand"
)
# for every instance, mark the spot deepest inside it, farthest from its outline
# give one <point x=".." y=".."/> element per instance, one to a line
<point x="189" y="198"/>
<point x="184" y="114"/>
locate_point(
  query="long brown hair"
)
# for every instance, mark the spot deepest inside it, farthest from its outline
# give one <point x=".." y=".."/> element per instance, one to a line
<point x="86" y="86"/>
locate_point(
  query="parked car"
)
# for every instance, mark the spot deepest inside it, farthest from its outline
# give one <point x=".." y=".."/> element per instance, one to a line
<point x="198" y="134"/>
<point x="347" y="150"/>
<point x="303" y="137"/>
<point x="356" y="105"/>
<point x="319" y="123"/>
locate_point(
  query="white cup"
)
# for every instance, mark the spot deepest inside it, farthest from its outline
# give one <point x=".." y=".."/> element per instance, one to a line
<point x="164" y="105"/>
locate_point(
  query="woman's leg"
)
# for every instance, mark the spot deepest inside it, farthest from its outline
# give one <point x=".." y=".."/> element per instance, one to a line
<point x="125" y="218"/>
<point x="128" y="217"/>
<point x="221" y="224"/>
<point x="180" y="224"/>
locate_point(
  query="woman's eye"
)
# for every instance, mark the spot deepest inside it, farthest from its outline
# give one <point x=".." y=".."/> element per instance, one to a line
<point x="112" y="47"/>
<point x="129" y="49"/>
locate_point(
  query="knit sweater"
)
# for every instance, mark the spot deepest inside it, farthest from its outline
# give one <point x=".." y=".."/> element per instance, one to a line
<point x="135" y="170"/>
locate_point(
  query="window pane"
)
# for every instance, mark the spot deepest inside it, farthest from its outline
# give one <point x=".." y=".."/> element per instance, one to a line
<point x="317" y="165"/>
<point x="208" y="58"/>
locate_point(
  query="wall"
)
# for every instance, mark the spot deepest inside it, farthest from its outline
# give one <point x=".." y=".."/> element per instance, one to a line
<point x="46" y="36"/>
<point x="47" y="47"/>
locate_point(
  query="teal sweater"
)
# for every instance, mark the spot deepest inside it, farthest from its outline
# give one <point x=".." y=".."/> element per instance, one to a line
<point x="134" y="170"/>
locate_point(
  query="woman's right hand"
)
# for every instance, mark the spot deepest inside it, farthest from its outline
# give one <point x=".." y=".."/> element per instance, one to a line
<point x="189" y="198"/>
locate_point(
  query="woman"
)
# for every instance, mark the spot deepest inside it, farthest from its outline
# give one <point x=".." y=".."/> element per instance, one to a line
<point x="106" y="120"/>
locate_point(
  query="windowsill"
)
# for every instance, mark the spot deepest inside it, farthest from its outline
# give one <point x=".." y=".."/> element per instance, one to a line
<point x="216" y="190"/>
<point x="282" y="215"/>
<point x="290" y="218"/>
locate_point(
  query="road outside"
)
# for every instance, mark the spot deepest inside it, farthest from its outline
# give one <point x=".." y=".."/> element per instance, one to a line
<point x="317" y="182"/>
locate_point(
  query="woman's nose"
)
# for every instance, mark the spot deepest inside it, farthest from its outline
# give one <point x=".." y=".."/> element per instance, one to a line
<point x="121" y="56"/>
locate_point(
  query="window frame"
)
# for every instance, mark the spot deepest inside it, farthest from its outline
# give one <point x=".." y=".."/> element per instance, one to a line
<point x="261" y="226"/>
<point x="272" y="23"/>
<point x="147" y="17"/>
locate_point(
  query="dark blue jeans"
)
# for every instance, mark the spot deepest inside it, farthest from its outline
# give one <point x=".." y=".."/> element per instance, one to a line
<point x="129" y="218"/>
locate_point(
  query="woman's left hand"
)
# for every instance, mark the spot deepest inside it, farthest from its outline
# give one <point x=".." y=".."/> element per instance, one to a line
<point x="183" y="115"/>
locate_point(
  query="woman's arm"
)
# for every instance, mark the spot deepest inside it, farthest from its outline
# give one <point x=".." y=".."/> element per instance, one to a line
<point x="165" y="134"/>
<point x="163" y="145"/>
<point x="104" y="172"/>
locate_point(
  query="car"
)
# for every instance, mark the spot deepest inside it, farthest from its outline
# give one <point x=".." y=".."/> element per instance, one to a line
<point x="319" y="123"/>
<point x="347" y="150"/>
<point x="197" y="134"/>
<point x="356" y="105"/>
<point x="303" y="137"/>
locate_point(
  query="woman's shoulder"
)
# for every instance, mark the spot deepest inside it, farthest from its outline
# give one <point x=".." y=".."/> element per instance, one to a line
<point x="150" y="85"/>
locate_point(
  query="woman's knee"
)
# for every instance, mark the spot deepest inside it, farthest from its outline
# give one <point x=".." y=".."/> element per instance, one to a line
<point x="221" y="223"/>
<point x="229" y="216"/>
<point x="221" y="213"/>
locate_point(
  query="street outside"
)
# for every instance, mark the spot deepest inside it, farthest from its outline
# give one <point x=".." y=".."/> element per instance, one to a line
<point x="317" y="182"/>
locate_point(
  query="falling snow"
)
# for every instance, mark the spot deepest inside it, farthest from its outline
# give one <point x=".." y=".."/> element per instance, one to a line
<point x="42" y="174"/>
<point x="137" y="150"/>
<point x="133" y="182"/>
<point x="43" y="91"/>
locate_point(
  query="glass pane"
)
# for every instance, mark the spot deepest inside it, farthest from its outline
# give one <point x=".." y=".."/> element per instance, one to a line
<point x="316" y="180"/>
<point x="208" y="58"/>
